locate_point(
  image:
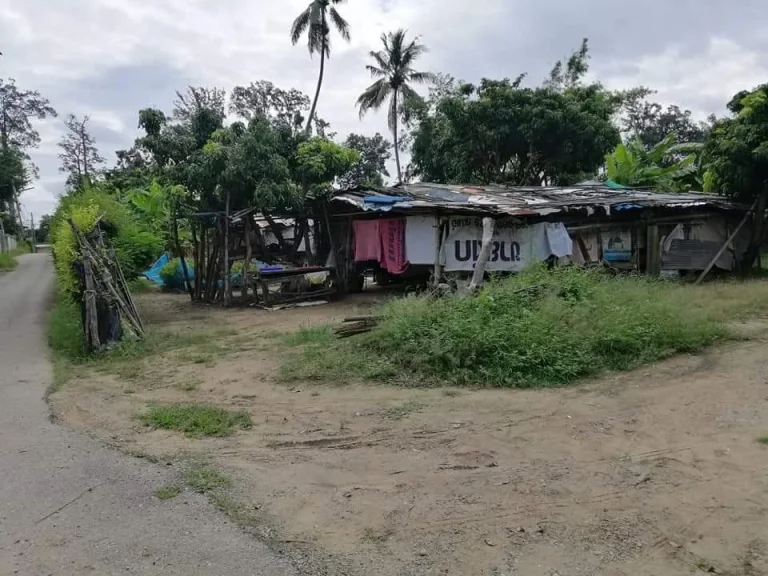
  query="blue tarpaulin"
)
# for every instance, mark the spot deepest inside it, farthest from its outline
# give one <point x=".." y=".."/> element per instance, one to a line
<point x="153" y="274"/>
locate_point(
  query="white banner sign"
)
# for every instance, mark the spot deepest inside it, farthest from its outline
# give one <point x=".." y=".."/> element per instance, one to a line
<point x="514" y="247"/>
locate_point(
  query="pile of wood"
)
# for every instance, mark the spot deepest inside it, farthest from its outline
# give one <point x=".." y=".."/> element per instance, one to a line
<point x="107" y="300"/>
<point x="356" y="325"/>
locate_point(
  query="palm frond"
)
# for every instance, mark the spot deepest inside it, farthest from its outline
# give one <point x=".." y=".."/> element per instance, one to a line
<point x="381" y="59"/>
<point x="376" y="72"/>
<point x="299" y="26"/>
<point x="341" y="25"/>
<point x="422" y="77"/>
<point x="374" y="96"/>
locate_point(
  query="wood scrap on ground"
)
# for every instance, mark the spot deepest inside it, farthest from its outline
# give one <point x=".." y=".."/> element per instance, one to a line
<point x="356" y="325"/>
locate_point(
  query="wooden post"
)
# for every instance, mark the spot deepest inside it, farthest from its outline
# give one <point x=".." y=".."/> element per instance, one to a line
<point x="182" y="259"/>
<point x="477" y="278"/>
<point x="652" y="251"/>
<point x="248" y="257"/>
<point x="91" y="312"/>
<point x="725" y="246"/>
<point x="437" y="273"/>
<point x="331" y="242"/>
<point x="198" y="261"/>
<point x="227" y="266"/>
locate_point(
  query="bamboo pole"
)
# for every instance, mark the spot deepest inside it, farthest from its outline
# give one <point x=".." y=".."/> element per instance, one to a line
<point x="91" y="311"/>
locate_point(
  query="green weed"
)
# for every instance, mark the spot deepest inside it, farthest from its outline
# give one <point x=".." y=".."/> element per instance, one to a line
<point x="196" y="420"/>
<point x="7" y="262"/>
<point x="763" y="440"/>
<point x="167" y="492"/>
<point x="317" y="335"/>
<point x="539" y="328"/>
<point x="204" y="478"/>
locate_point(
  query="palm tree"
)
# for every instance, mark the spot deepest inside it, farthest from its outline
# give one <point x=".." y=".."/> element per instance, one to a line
<point x="394" y="72"/>
<point x="315" y="21"/>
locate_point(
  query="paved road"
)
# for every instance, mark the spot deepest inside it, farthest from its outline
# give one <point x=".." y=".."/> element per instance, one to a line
<point x="71" y="506"/>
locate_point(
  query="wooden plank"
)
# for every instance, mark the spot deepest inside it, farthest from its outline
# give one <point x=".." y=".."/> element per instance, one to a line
<point x="653" y="251"/>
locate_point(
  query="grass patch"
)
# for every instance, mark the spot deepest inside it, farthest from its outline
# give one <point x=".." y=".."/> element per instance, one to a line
<point x="319" y="334"/>
<point x="195" y="420"/>
<point x="763" y="440"/>
<point x="539" y="328"/>
<point x="204" y="478"/>
<point x="402" y="410"/>
<point x="141" y="286"/>
<point x="167" y="492"/>
<point x="7" y="262"/>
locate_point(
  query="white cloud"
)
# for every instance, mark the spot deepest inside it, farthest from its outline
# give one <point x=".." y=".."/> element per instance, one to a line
<point x="110" y="58"/>
<point x="703" y="82"/>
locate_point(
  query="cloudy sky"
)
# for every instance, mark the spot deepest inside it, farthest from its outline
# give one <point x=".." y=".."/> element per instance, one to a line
<point x="109" y="58"/>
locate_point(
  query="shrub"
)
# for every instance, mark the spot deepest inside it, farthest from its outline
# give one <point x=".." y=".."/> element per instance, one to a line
<point x="539" y="328"/>
<point x="7" y="262"/>
<point x="135" y="245"/>
<point x="173" y="278"/>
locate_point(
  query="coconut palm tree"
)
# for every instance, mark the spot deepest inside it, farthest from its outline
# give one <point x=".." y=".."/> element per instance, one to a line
<point x="315" y="22"/>
<point x="394" y="71"/>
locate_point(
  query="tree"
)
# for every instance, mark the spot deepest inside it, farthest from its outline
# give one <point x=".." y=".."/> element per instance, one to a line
<point x="651" y="123"/>
<point x="372" y="165"/>
<point x="321" y="161"/>
<point x="18" y="108"/>
<point x="43" y="228"/>
<point x="662" y="167"/>
<point x="316" y="21"/>
<point x="80" y="158"/>
<point x="502" y="132"/>
<point x="736" y="158"/>
<point x="394" y="70"/>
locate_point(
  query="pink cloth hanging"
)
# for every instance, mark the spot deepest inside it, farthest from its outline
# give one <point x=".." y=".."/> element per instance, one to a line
<point x="393" y="245"/>
<point x="367" y="240"/>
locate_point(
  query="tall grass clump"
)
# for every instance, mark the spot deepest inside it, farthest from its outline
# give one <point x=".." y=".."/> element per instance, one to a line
<point x="539" y="328"/>
<point x="7" y="262"/>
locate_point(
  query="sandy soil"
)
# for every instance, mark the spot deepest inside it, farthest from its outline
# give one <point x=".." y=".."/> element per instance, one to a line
<point x="652" y="472"/>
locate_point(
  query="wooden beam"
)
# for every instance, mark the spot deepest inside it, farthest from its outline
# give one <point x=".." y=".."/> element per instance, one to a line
<point x="653" y="251"/>
<point x="725" y="245"/>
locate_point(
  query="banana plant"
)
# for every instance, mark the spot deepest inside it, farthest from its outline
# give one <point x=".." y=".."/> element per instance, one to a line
<point x="662" y="167"/>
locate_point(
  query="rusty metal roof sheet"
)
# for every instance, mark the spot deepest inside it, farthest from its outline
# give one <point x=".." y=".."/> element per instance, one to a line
<point x="523" y="200"/>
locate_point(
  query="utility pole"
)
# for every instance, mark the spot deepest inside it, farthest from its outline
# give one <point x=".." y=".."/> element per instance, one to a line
<point x="32" y="233"/>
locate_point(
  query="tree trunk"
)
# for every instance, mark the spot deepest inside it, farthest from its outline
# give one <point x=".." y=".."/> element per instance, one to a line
<point x="397" y="145"/>
<point x="477" y="277"/>
<point x="312" y="110"/>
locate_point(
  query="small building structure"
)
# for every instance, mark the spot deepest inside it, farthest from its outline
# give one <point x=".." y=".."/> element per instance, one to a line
<point x="435" y="230"/>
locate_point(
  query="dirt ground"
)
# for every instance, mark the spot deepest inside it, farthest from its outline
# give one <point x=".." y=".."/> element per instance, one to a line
<point x="653" y="472"/>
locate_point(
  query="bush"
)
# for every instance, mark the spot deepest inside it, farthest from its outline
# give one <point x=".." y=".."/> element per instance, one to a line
<point x="538" y="328"/>
<point x="135" y="245"/>
<point x="7" y="262"/>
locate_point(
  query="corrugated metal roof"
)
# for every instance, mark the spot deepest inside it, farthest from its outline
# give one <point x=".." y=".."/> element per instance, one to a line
<point x="522" y="200"/>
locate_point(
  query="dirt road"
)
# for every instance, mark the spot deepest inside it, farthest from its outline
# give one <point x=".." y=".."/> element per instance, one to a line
<point x="68" y="504"/>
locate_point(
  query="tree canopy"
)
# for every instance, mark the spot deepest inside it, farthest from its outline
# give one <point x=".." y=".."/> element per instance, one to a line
<point x="500" y="131"/>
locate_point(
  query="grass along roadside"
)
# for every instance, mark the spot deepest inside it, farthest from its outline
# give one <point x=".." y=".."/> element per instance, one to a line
<point x="537" y="329"/>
